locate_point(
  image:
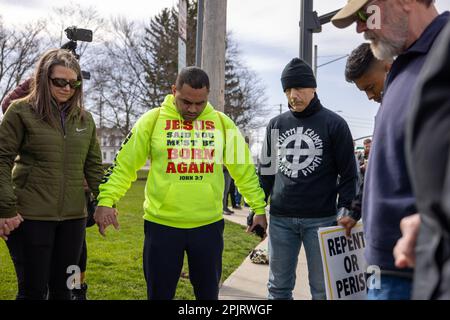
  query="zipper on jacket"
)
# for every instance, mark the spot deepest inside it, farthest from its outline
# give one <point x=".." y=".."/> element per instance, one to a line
<point x="61" y="185"/>
<point x="61" y="197"/>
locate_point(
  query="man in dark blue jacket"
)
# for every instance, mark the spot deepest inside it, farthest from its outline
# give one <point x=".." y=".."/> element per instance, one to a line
<point x="306" y="150"/>
<point x="406" y="30"/>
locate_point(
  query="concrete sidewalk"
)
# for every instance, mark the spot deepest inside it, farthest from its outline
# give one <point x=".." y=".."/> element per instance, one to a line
<point x="249" y="281"/>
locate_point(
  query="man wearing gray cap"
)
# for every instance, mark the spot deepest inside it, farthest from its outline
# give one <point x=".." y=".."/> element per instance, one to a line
<point x="405" y="29"/>
<point x="305" y="150"/>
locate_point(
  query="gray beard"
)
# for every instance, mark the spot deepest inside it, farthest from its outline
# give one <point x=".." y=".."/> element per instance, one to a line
<point x="385" y="50"/>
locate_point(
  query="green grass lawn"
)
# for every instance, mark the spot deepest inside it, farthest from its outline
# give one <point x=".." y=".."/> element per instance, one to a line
<point x="115" y="262"/>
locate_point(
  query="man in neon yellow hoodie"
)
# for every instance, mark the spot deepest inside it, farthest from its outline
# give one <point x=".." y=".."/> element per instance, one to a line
<point x="187" y="142"/>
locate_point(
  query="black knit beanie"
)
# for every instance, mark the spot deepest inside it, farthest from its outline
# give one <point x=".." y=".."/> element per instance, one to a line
<point x="297" y="74"/>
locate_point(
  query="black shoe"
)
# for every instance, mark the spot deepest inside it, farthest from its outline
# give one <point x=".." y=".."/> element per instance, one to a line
<point x="80" y="294"/>
<point x="237" y="207"/>
<point x="227" y="211"/>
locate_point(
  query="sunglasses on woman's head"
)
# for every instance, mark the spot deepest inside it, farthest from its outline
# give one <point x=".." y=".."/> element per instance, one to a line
<point x="62" y="83"/>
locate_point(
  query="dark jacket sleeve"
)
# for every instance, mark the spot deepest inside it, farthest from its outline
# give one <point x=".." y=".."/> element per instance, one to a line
<point x="93" y="168"/>
<point x="11" y="136"/>
<point x="342" y="142"/>
<point x="19" y="92"/>
<point x="356" y="207"/>
<point x="267" y="164"/>
<point x="445" y="194"/>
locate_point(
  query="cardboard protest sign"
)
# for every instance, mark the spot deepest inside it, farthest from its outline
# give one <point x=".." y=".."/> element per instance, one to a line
<point x="343" y="261"/>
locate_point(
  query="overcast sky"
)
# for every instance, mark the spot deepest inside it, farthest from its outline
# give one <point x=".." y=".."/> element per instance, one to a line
<point x="268" y="35"/>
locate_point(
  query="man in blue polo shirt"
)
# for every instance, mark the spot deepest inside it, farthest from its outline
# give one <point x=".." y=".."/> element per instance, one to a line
<point x="406" y="30"/>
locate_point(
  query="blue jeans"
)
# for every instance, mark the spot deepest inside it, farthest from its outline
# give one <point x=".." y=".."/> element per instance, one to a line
<point x="392" y="288"/>
<point x="286" y="236"/>
<point x="238" y="197"/>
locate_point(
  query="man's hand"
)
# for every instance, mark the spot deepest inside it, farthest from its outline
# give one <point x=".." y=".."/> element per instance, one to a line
<point x="404" y="251"/>
<point x="260" y="220"/>
<point x="348" y="223"/>
<point x="8" y="225"/>
<point x="362" y="168"/>
<point x="105" y="217"/>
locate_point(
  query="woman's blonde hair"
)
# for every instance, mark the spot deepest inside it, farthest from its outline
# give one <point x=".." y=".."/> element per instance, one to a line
<point x="40" y="96"/>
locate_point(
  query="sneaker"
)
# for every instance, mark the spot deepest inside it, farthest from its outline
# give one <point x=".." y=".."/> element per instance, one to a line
<point x="227" y="211"/>
<point x="237" y="207"/>
<point x="80" y="294"/>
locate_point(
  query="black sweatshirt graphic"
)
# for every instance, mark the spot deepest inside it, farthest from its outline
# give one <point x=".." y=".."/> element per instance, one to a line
<point x="307" y="160"/>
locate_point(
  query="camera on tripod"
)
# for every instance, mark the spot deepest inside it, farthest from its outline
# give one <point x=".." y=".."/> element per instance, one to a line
<point x="75" y="34"/>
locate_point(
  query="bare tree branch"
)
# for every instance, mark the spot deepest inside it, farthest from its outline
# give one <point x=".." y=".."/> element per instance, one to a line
<point x="20" y="50"/>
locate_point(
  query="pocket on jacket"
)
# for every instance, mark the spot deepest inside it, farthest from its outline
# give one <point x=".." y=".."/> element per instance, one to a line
<point x="21" y="174"/>
<point x="194" y="202"/>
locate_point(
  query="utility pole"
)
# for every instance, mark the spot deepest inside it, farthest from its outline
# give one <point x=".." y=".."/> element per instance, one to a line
<point x="182" y="34"/>
<point x="316" y="49"/>
<point x="199" y="36"/>
<point x="213" y="49"/>
<point x="310" y="23"/>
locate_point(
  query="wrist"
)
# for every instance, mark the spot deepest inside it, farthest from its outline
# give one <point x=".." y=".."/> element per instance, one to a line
<point x="342" y="212"/>
<point x="345" y="212"/>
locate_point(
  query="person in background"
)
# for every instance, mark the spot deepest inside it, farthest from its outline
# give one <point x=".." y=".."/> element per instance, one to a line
<point x="226" y="192"/>
<point x="367" y="144"/>
<point x="232" y="194"/>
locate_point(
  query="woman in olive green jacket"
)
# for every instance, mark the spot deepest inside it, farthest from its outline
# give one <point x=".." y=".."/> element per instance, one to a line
<point x="48" y="145"/>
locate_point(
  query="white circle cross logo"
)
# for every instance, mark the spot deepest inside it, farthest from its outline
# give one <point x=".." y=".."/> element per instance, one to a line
<point x="303" y="152"/>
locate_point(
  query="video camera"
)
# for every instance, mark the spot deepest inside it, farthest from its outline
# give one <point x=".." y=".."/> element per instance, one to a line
<point x="75" y="34"/>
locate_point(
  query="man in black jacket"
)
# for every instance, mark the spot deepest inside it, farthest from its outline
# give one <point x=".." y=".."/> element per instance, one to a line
<point x="306" y="150"/>
<point x="405" y="30"/>
<point x="368" y="74"/>
<point x="428" y="155"/>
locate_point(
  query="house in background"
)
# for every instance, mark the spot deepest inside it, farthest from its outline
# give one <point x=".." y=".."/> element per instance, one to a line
<point x="110" y="140"/>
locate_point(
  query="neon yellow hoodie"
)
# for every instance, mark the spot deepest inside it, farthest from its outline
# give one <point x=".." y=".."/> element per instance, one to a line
<point x="185" y="184"/>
